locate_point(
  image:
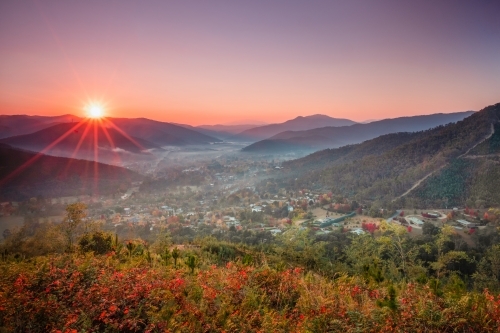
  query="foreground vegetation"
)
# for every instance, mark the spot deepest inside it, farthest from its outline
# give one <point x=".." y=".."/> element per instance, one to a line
<point x="106" y="293"/>
<point x="74" y="277"/>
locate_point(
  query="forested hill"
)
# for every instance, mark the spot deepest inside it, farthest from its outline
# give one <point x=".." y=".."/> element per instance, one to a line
<point x="366" y="172"/>
<point x="55" y="176"/>
<point x="327" y="157"/>
<point x="334" y="137"/>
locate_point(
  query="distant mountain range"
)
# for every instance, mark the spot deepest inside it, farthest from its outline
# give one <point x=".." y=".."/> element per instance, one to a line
<point x="229" y="129"/>
<point x="11" y="125"/>
<point x="162" y="133"/>
<point x="25" y="174"/>
<point x="80" y="140"/>
<point x="117" y="138"/>
<point x="296" y="124"/>
<point x="332" y="137"/>
<point x="455" y="164"/>
<point x="156" y="132"/>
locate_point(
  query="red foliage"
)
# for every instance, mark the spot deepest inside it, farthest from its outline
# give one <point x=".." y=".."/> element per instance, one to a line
<point x="370" y="227"/>
<point x="95" y="295"/>
<point x="173" y="219"/>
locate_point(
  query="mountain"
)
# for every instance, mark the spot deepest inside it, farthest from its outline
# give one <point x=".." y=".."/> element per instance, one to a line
<point x="25" y="174"/>
<point x="297" y="124"/>
<point x="78" y="140"/>
<point x="331" y="137"/>
<point x="156" y="132"/>
<point x="252" y="122"/>
<point x="217" y="136"/>
<point x="230" y="129"/>
<point x="11" y="125"/>
<point x="438" y="166"/>
<point x="162" y="133"/>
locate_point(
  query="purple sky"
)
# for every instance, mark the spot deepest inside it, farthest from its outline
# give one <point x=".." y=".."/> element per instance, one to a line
<point x="219" y="61"/>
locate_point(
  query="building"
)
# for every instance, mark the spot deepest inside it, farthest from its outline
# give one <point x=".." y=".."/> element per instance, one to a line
<point x="414" y="221"/>
<point x="465" y="223"/>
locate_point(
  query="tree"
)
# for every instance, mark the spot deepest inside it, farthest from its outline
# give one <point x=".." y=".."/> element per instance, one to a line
<point x="429" y="229"/>
<point x="176" y="254"/>
<point x="396" y="245"/>
<point x="130" y="247"/>
<point x="488" y="272"/>
<point x="447" y="258"/>
<point x="72" y="223"/>
<point x="298" y="246"/>
<point x="98" y="242"/>
<point x="191" y="263"/>
<point x="165" y="256"/>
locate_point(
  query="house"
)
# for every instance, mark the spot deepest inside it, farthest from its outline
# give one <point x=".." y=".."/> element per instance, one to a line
<point x="275" y="232"/>
<point x="234" y="223"/>
<point x="465" y="223"/>
<point x="415" y="221"/>
<point x="358" y="231"/>
<point x="257" y="209"/>
<point x="126" y="211"/>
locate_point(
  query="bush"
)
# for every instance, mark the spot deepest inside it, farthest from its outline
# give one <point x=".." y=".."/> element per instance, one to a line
<point x="98" y="242"/>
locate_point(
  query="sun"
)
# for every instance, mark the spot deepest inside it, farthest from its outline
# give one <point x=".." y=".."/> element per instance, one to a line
<point x="95" y="111"/>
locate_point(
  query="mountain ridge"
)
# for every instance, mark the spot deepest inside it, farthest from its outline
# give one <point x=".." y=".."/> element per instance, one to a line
<point x="387" y="175"/>
<point x="297" y="123"/>
<point x="79" y="140"/>
<point x="25" y="174"/>
<point x="334" y="137"/>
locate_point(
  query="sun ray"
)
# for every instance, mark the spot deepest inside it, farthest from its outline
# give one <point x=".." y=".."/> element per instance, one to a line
<point x="77" y="148"/>
<point x="96" y="155"/>
<point x="111" y="142"/>
<point x="41" y="153"/>
<point x="124" y="134"/>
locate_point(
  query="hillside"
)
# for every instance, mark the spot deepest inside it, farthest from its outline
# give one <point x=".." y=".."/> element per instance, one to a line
<point x="473" y="179"/>
<point x="469" y="182"/>
<point x="369" y="175"/>
<point x="332" y="137"/>
<point x="80" y="142"/>
<point x="156" y="132"/>
<point x="23" y="175"/>
<point x="385" y="282"/>
<point x="488" y="147"/>
<point x="296" y="124"/>
<point x="12" y="125"/>
<point x="162" y="133"/>
<point x="349" y="153"/>
<point x="230" y="129"/>
<point x="223" y="132"/>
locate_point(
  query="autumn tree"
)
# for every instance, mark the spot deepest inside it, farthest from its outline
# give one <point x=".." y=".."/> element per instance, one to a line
<point x="398" y="247"/>
<point x="73" y="223"/>
<point x="175" y="255"/>
<point x="191" y="263"/>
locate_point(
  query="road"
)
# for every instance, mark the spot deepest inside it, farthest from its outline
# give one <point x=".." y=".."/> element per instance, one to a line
<point x="492" y="131"/>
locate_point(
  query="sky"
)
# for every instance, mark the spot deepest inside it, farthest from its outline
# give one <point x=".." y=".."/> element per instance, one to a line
<point x="209" y="62"/>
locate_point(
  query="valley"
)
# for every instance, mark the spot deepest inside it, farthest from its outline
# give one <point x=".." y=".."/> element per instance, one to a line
<point x="235" y="166"/>
<point x="400" y="209"/>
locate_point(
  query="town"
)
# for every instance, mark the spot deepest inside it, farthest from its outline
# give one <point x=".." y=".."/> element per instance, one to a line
<point x="238" y="201"/>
